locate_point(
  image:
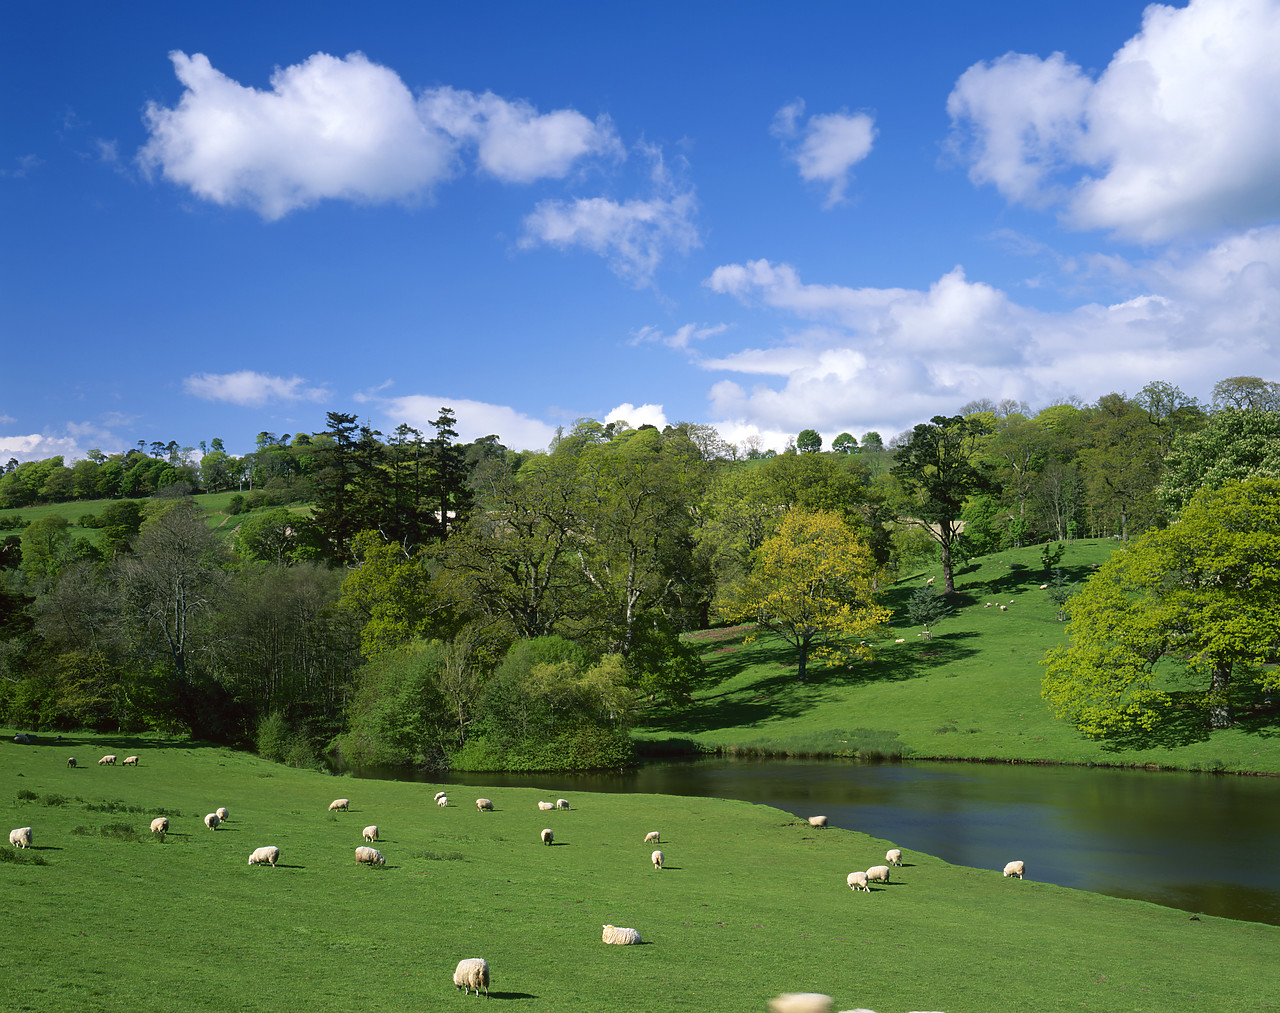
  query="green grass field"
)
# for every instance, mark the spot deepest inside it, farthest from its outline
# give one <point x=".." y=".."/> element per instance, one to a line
<point x="753" y="902"/>
<point x="972" y="692"/>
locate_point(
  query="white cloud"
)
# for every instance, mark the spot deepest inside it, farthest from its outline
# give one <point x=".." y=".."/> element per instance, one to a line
<point x="251" y="389"/>
<point x="681" y="338"/>
<point x="71" y="441"/>
<point x="474" y="419"/>
<point x="1175" y="137"/>
<point x="646" y="414"/>
<point x="826" y="147"/>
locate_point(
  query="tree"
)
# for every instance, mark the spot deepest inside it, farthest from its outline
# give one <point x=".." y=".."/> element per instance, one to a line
<point x="1241" y="392"/>
<point x="1235" y="444"/>
<point x="808" y="442"/>
<point x="938" y="473"/>
<point x="845" y="443"/>
<point x="814" y="584"/>
<point x="1197" y="601"/>
<point x="927" y="608"/>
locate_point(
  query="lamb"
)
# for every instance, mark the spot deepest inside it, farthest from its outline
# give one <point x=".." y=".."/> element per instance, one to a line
<point x="544" y="806"/>
<point x="20" y="838"/>
<point x="651" y="837"/>
<point x="109" y="759"/>
<point x="929" y="582"/>
<point x="620" y="936"/>
<point x="340" y="803"/>
<point x="483" y="803"/>
<point x="211" y="821"/>
<point x="71" y="761"/>
<point x="817" y="821"/>
<point x="657" y="859"/>
<point x="223" y="814"/>
<point x="130" y="761"/>
<point x="160" y="825"/>
<point x="857" y="881"/>
<point x="879" y="873"/>
<point x="472" y="973"/>
<point x="547" y="836"/>
<point x="442" y="801"/>
<point x="439" y="795"/>
<point x="270" y="855"/>
<point x="562" y="803"/>
<point x="801" y="1002"/>
<point x="893" y="856"/>
<point x="371" y="833"/>
<point x="369" y="856"/>
<point x="1015" y="869"/>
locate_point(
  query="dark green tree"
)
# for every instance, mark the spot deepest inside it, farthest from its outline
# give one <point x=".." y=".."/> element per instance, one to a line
<point x="809" y="441"/>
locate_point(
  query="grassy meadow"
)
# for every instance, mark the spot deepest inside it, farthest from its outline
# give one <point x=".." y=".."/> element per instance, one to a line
<point x="971" y="692"/>
<point x="752" y="902"/>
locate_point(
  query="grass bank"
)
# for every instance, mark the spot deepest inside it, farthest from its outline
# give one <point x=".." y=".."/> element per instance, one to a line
<point x="971" y="692"/>
<point x="753" y="902"/>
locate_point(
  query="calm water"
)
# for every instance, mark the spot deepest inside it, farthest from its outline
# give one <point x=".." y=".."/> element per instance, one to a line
<point x="1200" y="842"/>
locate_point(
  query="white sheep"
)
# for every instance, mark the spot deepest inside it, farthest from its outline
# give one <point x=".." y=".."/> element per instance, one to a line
<point x="857" y="881"/>
<point x="108" y="760"/>
<point x="223" y="814"/>
<point x="340" y="803"/>
<point x="270" y="855"/>
<point x="801" y="1002"/>
<point x="130" y="761"/>
<point x="71" y="761"/>
<point x="893" y="856"/>
<point x="20" y="838"/>
<point x="483" y="804"/>
<point x="211" y="821"/>
<point x="22" y="739"/>
<point x="1015" y="869"/>
<point x="439" y="795"/>
<point x="657" y="858"/>
<point x="544" y="806"/>
<point x="472" y="973"/>
<point x="620" y="936"/>
<point x="547" y="835"/>
<point x="817" y="821"/>
<point x="1004" y="608"/>
<point x="652" y="837"/>
<point x="160" y="825"/>
<point x="562" y="803"/>
<point x="371" y="833"/>
<point x="929" y="582"/>
<point x="442" y="801"/>
<point x="369" y="856"/>
<point x="878" y="873"/>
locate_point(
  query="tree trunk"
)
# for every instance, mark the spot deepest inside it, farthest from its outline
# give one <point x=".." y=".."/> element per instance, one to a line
<point x="1219" y="700"/>
<point x="804" y="658"/>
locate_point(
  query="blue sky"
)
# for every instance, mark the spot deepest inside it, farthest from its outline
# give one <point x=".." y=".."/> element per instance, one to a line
<point x="221" y="219"/>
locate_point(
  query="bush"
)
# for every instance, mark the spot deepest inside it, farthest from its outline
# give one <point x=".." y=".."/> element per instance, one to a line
<point x="235" y="505"/>
<point x="280" y="742"/>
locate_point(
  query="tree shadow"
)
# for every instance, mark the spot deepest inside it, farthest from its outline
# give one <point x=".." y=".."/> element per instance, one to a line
<point x="1179" y="723"/>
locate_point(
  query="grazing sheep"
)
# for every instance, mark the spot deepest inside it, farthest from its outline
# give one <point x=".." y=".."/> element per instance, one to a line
<point x="857" y="881"/>
<point x="987" y="605"/>
<point x="562" y="803"/>
<point x="472" y="973"/>
<point x="22" y="740"/>
<point x="483" y="803"/>
<point x="270" y="855"/>
<point x="340" y="803"/>
<point x="901" y="640"/>
<point x="20" y="838"/>
<point x="211" y="821"/>
<point x="929" y="582"/>
<point x="879" y="873"/>
<point x="651" y="837"/>
<point x="371" y="833"/>
<point x="108" y="760"/>
<point x="893" y="856"/>
<point x="223" y="814"/>
<point x="544" y="806"/>
<point x="1004" y="608"/>
<point x="801" y="1002"/>
<point x="817" y="821"/>
<point x="130" y="761"/>
<point x="1015" y="869"/>
<point x="71" y="761"/>
<point x="160" y="825"/>
<point x="442" y="801"/>
<point x="620" y="936"/>
<point x="369" y="856"/>
<point x="657" y="859"/>
<point x="1044" y="587"/>
<point x="547" y="835"/>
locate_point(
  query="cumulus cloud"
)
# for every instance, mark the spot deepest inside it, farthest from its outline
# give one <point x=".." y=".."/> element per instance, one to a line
<point x="826" y="146"/>
<point x="682" y="338"/>
<point x="72" y="441"/>
<point x="645" y="414"/>
<point x="474" y="419"/>
<point x="251" y="389"/>
<point x="347" y="128"/>
<point x="1175" y="137"/>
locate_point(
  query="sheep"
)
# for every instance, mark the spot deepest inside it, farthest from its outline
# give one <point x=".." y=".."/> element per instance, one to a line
<point x="1015" y="869"/>
<point x="547" y="835"/>
<point x="340" y="803"/>
<point x="270" y="855"/>
<point x="211" y="821"/>
<point x="223" y="814"/>
<point x="71" y="761"/>
<point x="657" y="859"/>
<point x="652" y="837"/>
<point x="987" y="605"/>
<point x="817" y="821"/>
<point x="22" y="739"/>
<point x="544" y="806"/>
<point x="442" y="801"/>
<point x="1044" y="587"/>
<point x="1004" y="608"/>
<point x="108" y="760"/>
<point x="472" y="973"/>
<point x="801" y="1002"/>
<point x="369" y="856"/>
<point x="929" y="582"/>
<point x="20" y="838"/>
<point x="901" y="640"/>
<point x="857" y="881"/>
<point x="562" y="803"/>
<point x="893" y="856"/>
<point x="879" y="873"/>
<point x="160" y="825"/>
<point x="620" y="936"/>
<point x="130" y="761"/>
<point x="483" y="804"/>
<point x="371" y="833"/>
<point x="439" y="794"/>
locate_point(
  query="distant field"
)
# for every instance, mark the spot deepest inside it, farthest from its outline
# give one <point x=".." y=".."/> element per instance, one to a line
<point x="752" y="902"/>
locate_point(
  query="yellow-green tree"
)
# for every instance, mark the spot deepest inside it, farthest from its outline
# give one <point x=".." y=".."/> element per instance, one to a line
<point x="814" y="584"/>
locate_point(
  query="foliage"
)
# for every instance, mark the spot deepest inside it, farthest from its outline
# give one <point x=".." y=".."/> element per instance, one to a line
<point x="398" y="715"/>
<point x="927" y="608"/>
<point x="1237" y="443"/>
<point x="388" y="591"/>
<point x="809" y="441"/>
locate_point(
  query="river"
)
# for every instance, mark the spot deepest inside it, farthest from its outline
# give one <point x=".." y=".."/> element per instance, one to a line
<point x="1201" y="842"/>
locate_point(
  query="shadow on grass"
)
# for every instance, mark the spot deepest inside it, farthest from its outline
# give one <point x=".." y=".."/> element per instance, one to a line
<point x="1177" y="724"/>
<point x="511" y="995"/>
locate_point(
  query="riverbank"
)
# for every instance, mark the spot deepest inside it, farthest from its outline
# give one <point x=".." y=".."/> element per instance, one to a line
<point x="752" y="902"/>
